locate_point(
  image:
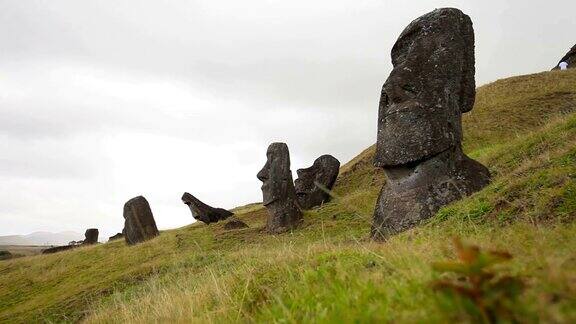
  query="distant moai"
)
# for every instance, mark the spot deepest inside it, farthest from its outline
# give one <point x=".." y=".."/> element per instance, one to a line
<point x="90" y="236"/>
<point x="279" y="195"/>
<point x="204" y="213"/>
<point x="420" y="122"/>
<point x="323" y="172"/>
<point x="139" y="224"/>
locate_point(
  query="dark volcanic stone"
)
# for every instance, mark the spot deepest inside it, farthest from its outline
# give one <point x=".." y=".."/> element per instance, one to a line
<point x="139" y="224"/>
<point x="202" y="212"/>
<point x="5" y="255"/>
<point x="279" y="195"/>
<point x="116" y="237"/>
<point x="59" y="249"/>
<point x="419" y="123"/>
<point x="91" y="236"/>
<point x="569" y="58"/>
<point x="324" y="171"/>
<point x="234" y="223"/>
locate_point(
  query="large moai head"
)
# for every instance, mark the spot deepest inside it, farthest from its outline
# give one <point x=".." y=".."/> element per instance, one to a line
<point x="430" y="86"/>
<point x="323" y="172"/>
<point x="91" y="236"/>
<point x="202" y="212"/>
<point x="278" y="193"/>
<point x="420" y="125"/>
<point x="139" y="223"/>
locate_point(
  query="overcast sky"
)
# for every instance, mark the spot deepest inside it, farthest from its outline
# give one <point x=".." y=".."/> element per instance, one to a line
<point x="101" y="101"/>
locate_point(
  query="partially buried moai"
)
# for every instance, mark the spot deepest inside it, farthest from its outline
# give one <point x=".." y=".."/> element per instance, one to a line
<point x="313" y="182"/>
<point x="139" y="224"/>
<point x="420" y="122"/>
<point x="90" y="236"/>
<point x="279" y="195"/>
<point x="202" y="212"/>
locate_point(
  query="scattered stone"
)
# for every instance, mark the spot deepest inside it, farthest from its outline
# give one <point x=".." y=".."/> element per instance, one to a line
<point x="91" y="236"/>
<point x="279" y="195"/>
<point x="419" y="124"/>
<point x="139" y="224"/>
<point x="204" y="213"/>
<point x="234" y="223"/>
<point x="116" y="237"/>
<point x="55" y="249"/>
<point x="5" y="255"/>
<point x="569" y="58"/>
<point x="324" y="172"/>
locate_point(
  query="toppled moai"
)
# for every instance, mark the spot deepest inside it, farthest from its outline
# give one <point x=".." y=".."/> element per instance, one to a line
<point x="313" y="182"/>
<point x="116" y="236"/>
<point x="569" y="58"/>
<point x="279" y="195"/>
<point x="90" y="236"/>
<point x="204" y="213"/>
<point x="420" y="122"/>
<point x="139" y="224"/>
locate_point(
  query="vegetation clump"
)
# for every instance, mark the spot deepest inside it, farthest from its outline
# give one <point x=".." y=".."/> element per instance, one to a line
<point x="472" y="282"/>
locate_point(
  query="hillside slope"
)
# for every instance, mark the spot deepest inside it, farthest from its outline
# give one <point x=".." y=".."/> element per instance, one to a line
<point x="522" y="128"/>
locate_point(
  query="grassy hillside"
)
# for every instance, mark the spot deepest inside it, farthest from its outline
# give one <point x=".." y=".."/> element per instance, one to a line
<point x="522" y="128"/>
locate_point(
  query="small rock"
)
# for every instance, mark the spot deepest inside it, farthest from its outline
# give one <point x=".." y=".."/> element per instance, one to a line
<point x="115" y="237"/>
<point x="234" y="224"/>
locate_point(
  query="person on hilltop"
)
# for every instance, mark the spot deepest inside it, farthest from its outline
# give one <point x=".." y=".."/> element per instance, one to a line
<point x="563" y="65"/>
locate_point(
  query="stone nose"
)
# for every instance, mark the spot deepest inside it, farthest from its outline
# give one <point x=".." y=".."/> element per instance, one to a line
<point x="263" y="174"/>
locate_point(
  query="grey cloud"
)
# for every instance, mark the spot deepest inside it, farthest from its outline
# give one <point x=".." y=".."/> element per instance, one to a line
<point x="101" y="100"/>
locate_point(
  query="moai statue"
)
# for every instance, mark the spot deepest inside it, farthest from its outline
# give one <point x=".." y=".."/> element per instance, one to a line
<point x="419" y="122"/>
<point x="91" y="236"/>
<point x="202" y="212"/>
<point x="323" y="172"/>
<point x="279" y="195"/>
<point x="139" y="224"/>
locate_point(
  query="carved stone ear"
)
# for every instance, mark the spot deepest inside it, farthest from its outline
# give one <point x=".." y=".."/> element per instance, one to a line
<point x="468" y="84"/>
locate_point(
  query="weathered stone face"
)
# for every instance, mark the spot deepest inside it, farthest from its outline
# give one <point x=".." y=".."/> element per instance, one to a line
<point x="139" y="224"/>
<point x="279" y="195"/>
<point x="91" y="236"/>
<point x="419" y="125"/>
<point x="431" y="85"/>
<point x="324" y="171"/>
<point x="276" y="174"/>
<point x="202" y="212"/>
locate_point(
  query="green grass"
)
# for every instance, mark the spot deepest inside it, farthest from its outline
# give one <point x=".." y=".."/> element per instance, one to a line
<point x="522" y="128"/>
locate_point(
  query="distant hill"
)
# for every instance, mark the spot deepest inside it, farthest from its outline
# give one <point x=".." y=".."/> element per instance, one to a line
<point x="41" y="238"/>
